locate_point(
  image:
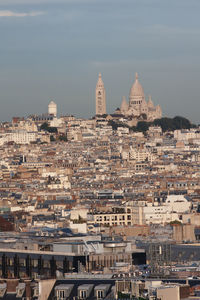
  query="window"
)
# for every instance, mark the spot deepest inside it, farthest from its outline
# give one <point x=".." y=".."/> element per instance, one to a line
<point x="100" y="294"/>
<point x="83" y="294"/>
<point x="60" y="294"/>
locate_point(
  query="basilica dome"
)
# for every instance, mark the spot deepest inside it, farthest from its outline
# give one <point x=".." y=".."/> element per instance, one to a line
<point x="136" y="89"/>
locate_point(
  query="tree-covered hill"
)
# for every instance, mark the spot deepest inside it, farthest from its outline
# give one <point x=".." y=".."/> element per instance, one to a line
<point x="167" y="124"/>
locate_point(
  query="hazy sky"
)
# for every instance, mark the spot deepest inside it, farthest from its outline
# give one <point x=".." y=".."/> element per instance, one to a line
<point x="54" y="49"/>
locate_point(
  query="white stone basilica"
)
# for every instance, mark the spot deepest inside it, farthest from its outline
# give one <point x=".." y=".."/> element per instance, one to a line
<point x="138" y="105"/>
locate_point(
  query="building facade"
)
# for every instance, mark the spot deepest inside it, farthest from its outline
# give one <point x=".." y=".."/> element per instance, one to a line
<point x="100" y="97"/>
<point x="138" y="105"/>
<point x="127" y="216"/>
<point x="52" y="108"/>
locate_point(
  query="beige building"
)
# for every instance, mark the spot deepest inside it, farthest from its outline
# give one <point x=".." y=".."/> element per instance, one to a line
<point x="138" y="105"/>
<point x="173" y="291"/>
<point x="127" y="216"/>
<point x="183" y="232"/>
<point x="100" y="97"/>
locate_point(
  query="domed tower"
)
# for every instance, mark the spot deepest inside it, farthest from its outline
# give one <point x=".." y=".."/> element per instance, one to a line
<point x="136" y="96"/>
<point x="124" y="106"/>
<point x="150" y="103"/>
<point x="100" y="97"/>
<point x="158" y="112"/>
<point x="52" y="108"/>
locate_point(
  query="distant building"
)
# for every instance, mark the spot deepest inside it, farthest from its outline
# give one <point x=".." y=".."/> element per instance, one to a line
<point x="138" y="105"/>
<point x="52" y="108"/>
<point x="100" y="97"/>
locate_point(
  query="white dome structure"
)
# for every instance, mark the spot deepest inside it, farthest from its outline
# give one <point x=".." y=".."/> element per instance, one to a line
<point x="136" y="89"/>
<point x="138" y="106"/>
<point x="136" y="96"/>
<point x="52" y="108"/>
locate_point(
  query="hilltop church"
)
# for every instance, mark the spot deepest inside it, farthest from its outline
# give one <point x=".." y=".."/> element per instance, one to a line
<point x="137" y="105"/>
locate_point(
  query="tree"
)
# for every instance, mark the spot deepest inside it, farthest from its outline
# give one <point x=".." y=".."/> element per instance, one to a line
<point x="180" y="122"/>
<point x="142" y="126"/>
<point x="175" y="222"/>
<point x="62" y="138"/>
<point x="113" y="124"/>
<point x="52" y="138"/>
<point x="144" y="116"/>
<point x="169" y="124"/>
<point x="44" y="126"/>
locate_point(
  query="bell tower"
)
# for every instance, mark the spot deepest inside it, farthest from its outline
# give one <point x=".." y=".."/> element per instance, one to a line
<point x="100" y="97"/>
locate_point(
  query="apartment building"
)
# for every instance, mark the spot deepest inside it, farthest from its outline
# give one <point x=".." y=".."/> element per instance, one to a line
<point x="119" y="216"/>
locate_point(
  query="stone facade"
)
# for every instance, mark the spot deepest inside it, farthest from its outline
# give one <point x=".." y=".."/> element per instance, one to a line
<point x="100" y="97"/>
<point x="138" y="105"/>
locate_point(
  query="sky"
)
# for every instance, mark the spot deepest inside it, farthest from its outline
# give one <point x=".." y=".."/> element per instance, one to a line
<point x="54" y="50"/>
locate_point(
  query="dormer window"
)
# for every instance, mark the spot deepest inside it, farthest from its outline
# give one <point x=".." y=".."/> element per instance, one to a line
<point x="83" y="294"/>
<point x="60" y="294"/>
<point x="100" y="294"/>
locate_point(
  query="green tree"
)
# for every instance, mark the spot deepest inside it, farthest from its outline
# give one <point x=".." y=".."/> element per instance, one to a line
<point x="44" y="126"/>
<point x="52" y="138"/>
<point x="62" y="138"/>
<point x="142" y="126"/>
<point x="175" y="222"/>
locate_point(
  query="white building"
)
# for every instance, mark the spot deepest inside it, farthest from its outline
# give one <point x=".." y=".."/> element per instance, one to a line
<point x="138" y="105"/>
<point x="52" y="108"/>
<point x="23" y="137"/>
<point x="141" y="155"/>
<point x="56" y="122"/>
<point x="171" y="210"/>
<point x="185" y="134"/>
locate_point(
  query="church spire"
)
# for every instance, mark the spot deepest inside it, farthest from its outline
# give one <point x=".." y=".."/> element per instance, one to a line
<point x="100" y="82"/>
<point x="100" y="97"/>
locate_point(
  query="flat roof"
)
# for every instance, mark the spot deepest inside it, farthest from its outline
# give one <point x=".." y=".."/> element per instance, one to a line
<point x="6" y="250"/>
